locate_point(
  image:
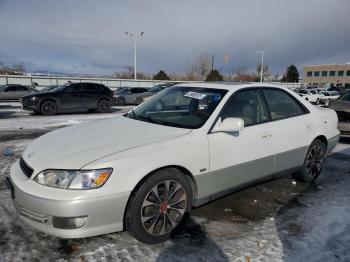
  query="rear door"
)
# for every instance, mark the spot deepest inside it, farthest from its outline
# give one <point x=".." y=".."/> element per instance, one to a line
<point x="292" y="128"/>
<point x="91" y="92"/>
<point x="245" y="156"/>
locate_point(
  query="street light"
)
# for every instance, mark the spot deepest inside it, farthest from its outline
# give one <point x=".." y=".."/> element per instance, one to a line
<point x="262" y="52"/>
<point x="134" y="37"/>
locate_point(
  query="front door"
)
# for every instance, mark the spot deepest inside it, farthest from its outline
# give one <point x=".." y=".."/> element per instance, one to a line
<point x="74" y="97"/>
<point x="245" y="156"/>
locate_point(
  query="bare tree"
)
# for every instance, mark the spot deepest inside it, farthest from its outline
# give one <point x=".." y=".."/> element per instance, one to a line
<point x="265" y="69"/>
<point x="241" y="74"/>
<point x="200" y="68"/>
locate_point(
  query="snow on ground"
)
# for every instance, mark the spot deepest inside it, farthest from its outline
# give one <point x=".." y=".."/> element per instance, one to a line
<point x="281" y="220"/>
<point x="12" y="111"/>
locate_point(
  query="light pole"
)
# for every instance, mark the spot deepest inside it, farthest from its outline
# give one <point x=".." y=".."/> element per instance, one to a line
<point x="262" y="52"/>
<point x="134" y="37"/>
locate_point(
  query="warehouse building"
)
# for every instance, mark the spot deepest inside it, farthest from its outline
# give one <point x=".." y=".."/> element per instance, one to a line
<point x="328" y="75"/>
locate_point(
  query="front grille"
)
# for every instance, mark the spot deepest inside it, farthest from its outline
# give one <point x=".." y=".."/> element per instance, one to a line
<point x="26" y="169"/>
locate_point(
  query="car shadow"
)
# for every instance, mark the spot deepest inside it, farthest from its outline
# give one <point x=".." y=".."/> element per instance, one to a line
<point x="191" y="242"/>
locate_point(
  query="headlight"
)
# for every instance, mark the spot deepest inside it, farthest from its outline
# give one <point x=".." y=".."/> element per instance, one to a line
<point x="74" y="179"/>
<point x="33" y="98"/>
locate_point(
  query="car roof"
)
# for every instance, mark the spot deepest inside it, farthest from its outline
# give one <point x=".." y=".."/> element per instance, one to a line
<point x="229" y="85"/>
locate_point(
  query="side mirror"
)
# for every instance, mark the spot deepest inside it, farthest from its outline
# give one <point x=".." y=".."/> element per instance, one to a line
<point x="230" y="125"/>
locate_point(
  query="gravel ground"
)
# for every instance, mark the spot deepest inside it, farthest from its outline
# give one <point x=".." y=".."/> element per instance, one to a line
<point x="280" y="220"/>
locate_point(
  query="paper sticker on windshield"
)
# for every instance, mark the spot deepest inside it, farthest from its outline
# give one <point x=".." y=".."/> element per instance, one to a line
<point x="195" y="95"/>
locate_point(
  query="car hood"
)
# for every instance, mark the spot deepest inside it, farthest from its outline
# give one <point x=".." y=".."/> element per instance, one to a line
<point x="37" y="93"/>
<point x="74" y="147"/>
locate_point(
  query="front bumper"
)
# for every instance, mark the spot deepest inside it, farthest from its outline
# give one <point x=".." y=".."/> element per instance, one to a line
<point x="104" y="214"/>
<point x="28" y="104"/>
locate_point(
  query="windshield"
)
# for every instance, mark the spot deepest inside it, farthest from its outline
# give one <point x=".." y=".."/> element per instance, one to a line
<point x="184" y="107"/>
<point x="58" y="88"/>
<point x="345" y="97"/>
<point x="47" y="89"/>
<point x="123" y="91"/>
<point x="157" y="88"/>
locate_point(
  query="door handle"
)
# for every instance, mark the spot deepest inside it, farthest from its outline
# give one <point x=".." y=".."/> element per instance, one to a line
<point x="266" y="135"/>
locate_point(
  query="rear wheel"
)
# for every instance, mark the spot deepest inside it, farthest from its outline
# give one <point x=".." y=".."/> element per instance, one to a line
<point x="158" y="206"/>
<point x="48" y="108"/>
<point x="104" y="106"/>
<point x="313" y="162"/>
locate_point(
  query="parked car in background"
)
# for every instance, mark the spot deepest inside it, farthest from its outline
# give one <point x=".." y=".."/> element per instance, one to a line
<point x="184" y="147"/>
<point x="150" y="92"/>
<point x="127" y="96"/>
<point x="71" y="97"/>
<point x="342" y="107"/>
<point x="328" y="95"/>
<point x="14" y="92"/>
<point x="310" y="95"/>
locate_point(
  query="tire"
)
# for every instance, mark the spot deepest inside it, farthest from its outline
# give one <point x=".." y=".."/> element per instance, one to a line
<point x="48" y="108"/>
<point x="317" y="101"/>
<point x="104" y="106"/>
<point x="148" y="207"/>
<point x="313" y="163"/>
<point x="121" y="101"/>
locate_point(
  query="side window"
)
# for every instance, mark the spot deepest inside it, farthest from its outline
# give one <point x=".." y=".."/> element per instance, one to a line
<point x="73" y="88"/>
<point x="90" y="87"/>
<point x="282" y="105"/>
<point x="247" y="105"/>
<point x="11" y="89"/>
<point x="22" y="88"/>
<point x="134" y="91"/>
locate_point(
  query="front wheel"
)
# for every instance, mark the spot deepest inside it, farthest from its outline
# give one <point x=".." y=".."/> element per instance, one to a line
<point x="313" y="162"/>
<point x="48" y="108"/>
<point x="104" y="106"/>
<point x="158" y="206"/>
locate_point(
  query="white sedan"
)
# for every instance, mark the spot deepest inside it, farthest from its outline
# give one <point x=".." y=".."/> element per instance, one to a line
<point x="311" y="95"/>
<point x="183" y="147"/>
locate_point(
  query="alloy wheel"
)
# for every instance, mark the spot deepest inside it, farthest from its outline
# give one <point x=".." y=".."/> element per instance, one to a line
<point x="163" y="207"/>
<point x="314" y="161"/>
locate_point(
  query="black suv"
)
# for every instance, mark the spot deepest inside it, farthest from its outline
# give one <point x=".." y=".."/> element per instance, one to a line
<point x="71" y="97"/>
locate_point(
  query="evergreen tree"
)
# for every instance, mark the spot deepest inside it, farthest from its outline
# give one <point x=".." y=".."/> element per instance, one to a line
<point x="292" y="75"/>
<point x="214" y="75"/>
<point x="161" y="75"/>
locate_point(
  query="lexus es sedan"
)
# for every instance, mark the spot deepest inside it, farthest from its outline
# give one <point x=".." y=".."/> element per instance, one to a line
<point x="128" y="95"/>
<point x="153" y="90"/>
<point x="183" y="147"/>
<point x="14" y="92"/>
<point x="71" y="97"/>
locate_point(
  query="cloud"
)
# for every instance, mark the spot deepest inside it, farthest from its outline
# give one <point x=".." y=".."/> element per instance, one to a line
<point x="88" y="36"/>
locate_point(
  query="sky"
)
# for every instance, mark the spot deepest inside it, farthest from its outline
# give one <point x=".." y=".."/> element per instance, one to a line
<point x="88" y="36"/>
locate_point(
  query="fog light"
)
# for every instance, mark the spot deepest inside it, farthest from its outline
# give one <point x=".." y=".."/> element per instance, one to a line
<point x="69" y="222"/>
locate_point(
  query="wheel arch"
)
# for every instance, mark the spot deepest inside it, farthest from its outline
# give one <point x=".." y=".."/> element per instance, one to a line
<point x="323" y="139"/>
<point x="187" y="174"/>
<point x="49" y="99"/>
